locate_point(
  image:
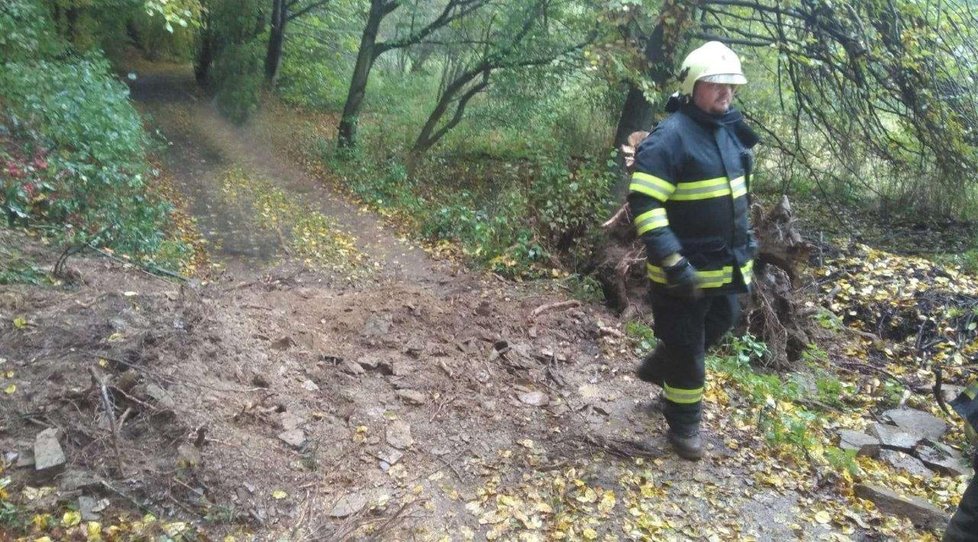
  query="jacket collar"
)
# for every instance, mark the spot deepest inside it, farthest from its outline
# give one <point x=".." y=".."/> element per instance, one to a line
<point x="732" y="120"/>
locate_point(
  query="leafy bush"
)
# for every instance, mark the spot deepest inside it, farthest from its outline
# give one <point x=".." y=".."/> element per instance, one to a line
<point x="79" y="157"/>
<point x="25" y="31"/>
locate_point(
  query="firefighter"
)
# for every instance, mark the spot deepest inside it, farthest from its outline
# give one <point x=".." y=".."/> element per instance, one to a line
<point x="963" y="526"/>
<point x="688" y="197"/>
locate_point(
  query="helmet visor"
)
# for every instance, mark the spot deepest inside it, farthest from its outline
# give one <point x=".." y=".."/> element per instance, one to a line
<point x="725" y="79"/>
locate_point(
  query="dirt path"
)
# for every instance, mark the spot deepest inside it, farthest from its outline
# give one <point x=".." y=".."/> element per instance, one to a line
<point x="420" y="404"/>
<point x="203" y="146"/>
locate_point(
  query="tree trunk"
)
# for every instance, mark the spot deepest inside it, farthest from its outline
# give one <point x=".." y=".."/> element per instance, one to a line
<point x="204" y="57"/>
<point x="347" y="136"/>
<point x="430" y="133"/>
<point x="276" y="38"/>
<point x="636" y="115"/>
<point x="668" y="37"/>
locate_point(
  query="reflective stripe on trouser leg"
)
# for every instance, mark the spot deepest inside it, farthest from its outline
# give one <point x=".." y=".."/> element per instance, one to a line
<point x="679" y="325"/>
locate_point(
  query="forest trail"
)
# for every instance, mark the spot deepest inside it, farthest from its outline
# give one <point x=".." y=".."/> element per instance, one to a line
<point x="395" y="398"/>
<point x="203" y="147"/>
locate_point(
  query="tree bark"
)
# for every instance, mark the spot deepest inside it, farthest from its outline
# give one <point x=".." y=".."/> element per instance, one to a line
<point x="204" y="57"/>
<point x="366" y="57"/>
<point x="429" y="135"/>
<point x="276" y="39"/>
<point x="668" y="37"/>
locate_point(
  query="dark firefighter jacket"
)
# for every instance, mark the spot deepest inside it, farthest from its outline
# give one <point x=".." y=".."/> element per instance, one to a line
<point x="689" y="195"/>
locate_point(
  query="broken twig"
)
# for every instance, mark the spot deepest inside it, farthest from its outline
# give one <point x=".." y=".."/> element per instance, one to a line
<point x="107" y="405"/>
<point x="554" y="306"/>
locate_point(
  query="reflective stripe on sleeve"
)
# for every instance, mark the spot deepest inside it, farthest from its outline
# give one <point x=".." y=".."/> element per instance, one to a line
<point x="656" y="218"/>
<point x="651" y="185"/>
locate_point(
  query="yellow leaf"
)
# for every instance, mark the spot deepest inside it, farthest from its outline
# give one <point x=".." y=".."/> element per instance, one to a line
<point x="10" y="374"/>
<point x="175" y="528"/>
<point x="20" y="322"/>
<point x="590" y="534"/>
<point x="94" y="530"/>
<point x="71" y="518"/>
<point x="823" y="517"/>
<point x="607" y="502"/>
<point x="9" y="390"/>
<point x="279" y="494"/>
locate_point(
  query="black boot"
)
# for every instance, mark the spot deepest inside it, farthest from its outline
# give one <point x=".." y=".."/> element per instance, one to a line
<point x="688" y="445"/>
<point x="651" y="368"/>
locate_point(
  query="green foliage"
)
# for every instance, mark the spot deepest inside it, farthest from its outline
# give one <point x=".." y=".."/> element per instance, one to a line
<point x="26" y="31"/>
<point x="89" y="168"/>
<point x="842" y="460"/>
<point x="15" y="268"/>
<point x="747" y="349"/>
<point x="642" y="335"/>
<point x="238" y="80"/>
<point x="157" y="41"/>
<point x="585" y="288"/>
<point x="234" y="29"/>
<point x="567" y="201"/>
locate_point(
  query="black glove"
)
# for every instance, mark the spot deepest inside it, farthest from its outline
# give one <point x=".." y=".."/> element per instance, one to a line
<point x="682" y="280"/>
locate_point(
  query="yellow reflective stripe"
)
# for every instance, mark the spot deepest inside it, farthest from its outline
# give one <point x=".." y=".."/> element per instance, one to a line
<point x="738" y="187"/>
<point x="747" y="271"/>
<point x="651" y="185"/>
<point x="709" y="188"/>
<point x="685" y="397"/>
<point x="656" y="218"/>
<point x="656" y="274"/>
<point x="713" y="278"/>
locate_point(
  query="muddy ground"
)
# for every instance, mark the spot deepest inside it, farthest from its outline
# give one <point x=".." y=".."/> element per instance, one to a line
<point x="407" y="399"/>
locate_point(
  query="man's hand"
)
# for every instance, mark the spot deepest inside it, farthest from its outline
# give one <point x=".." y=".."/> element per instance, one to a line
<point x="682" y="279"/>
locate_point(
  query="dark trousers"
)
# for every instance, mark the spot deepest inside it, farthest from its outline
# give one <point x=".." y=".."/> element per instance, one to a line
<point x="964" y="523"/>
<point x="686" y="328"/>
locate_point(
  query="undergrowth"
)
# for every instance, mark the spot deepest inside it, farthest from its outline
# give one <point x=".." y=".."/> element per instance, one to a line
<point x="73" y="152"/>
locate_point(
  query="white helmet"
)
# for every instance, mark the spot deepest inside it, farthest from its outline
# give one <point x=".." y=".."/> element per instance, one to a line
<point x="712" y="62"/>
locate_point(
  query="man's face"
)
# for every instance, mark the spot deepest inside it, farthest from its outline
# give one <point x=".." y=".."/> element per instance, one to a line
<point x="714" y="98"/>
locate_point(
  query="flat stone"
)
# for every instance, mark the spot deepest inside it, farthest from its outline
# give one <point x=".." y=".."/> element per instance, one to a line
<point x="26" y="459"/>
<point x="312" y="386"/>
<point x="48" y="455"/>
<point x="534" y="398"/>
<point x="399" y="435"/>
<point x="907" y="463"/>
<point x="919" y="511"/>
<point x="893" y="438"/>
<point x="73" y="480"/>
<point x="86" y="506"/>
<point x="412" y="397"/>
<point x="917" y="422"/>
<point x="861" y="443"/>
<point x="390" y="455"/>
<point x="354" y="369"/>
<point x="942" y="458"/>
<point x="294" y="438"/>
<point x="348" y="505"/>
